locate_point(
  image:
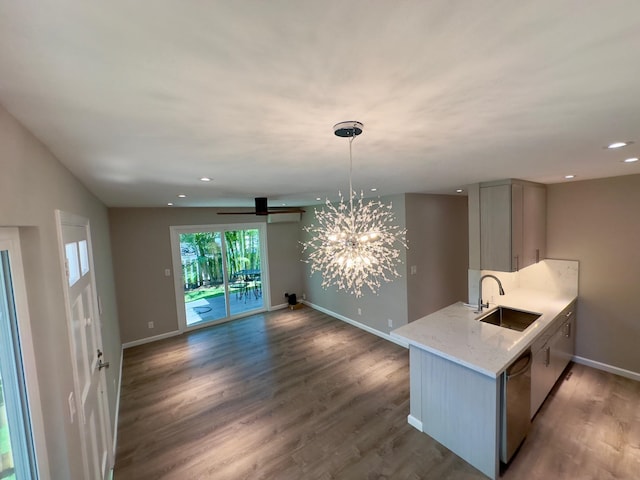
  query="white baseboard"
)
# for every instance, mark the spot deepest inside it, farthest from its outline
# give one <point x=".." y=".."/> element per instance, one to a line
<point x="115" y="423"/>
<point x="414" y="422"/>
<point x="162" y="336"/>
<point x="362" y="326"/>
<point x="278" y="307"/>
<point x="155" y="338"/>
<point x="607" y="368"/>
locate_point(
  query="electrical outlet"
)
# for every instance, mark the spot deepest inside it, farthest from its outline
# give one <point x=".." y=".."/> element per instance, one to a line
<point x="359" y="311"/>
<point x="150" y="325"/>
<point x="390" y="322"/>
<point x="304" y="296"/>
<point x="167" y="272"/>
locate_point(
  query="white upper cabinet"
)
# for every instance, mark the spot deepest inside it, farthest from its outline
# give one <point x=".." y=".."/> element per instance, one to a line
<point x="512" y="224"/>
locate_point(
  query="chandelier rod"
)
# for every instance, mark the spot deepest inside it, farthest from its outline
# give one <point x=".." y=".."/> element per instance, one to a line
<point x="350" y="173"/>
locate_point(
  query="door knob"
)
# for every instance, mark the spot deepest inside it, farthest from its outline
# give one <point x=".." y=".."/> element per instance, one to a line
<point x="101" y="364"/>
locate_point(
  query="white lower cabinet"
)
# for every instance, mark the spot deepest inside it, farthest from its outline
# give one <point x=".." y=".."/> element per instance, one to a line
<point x="551" y="354"/>
<point x="541" y="377"/>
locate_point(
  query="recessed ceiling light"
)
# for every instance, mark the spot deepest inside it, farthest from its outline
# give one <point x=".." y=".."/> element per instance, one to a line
<point x="182" y="195"/>
<point x="631" y="160"/>
<point x="618" y="145"/>
<point x="205" y="179"/>
<point x="459" y="190"/>
<point x="318" y="198"/>
<point x="374" y="189"/>
<point x="170" y="204"/>
<point x="569" y="177"/>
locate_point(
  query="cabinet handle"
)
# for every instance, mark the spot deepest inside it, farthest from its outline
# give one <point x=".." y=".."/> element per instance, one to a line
<point x="537" y="255"/>
<point x="568" y="314"/>
<point x="547" y="360"/>
<point x="517" y="263"/>
<point x="568" y="331"/>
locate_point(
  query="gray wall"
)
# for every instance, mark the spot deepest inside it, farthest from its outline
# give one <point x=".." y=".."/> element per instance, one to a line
<point x="142" y="251"/>
<point x="438" y="235"/>
<point x="32" y="185"/>
<point x="598" y="223"/>
<point x="391" y="301"/>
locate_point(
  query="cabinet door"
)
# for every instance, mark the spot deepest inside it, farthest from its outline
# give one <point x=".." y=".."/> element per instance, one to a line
<point x="512" y="226"/>
<point x="542" y="377"/>
<point x="556" y="356"/>
<point x="517" y="227"/>
<point x="565" y="345"/>
<point x="495" y="228"/>
<point x="534" y="237"/>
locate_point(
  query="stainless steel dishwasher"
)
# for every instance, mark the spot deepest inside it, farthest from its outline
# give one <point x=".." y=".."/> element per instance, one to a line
<point x="515" y="406"/>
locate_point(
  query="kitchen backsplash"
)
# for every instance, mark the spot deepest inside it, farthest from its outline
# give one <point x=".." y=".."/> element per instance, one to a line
<point x="549" y="275"/>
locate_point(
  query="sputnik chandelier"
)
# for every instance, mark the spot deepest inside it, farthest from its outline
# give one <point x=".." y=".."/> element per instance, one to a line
<point x="353" y="245"/>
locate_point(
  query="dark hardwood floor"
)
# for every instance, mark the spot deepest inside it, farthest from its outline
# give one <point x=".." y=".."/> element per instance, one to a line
<point x="300" y="395"/>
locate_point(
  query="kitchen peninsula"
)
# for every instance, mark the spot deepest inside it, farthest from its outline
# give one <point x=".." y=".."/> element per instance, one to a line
<point x="456" y="361"/>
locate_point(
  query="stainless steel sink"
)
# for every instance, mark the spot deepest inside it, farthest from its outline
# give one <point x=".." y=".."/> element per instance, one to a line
<point x="510" y="318"/>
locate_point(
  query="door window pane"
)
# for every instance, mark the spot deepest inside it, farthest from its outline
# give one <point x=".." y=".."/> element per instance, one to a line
<point x="73" y="264"/>
<point x="203" y="274"/>
<point x="84" y="257"/>
<point x="7" y="469"/>
<point x="245" y="271"/>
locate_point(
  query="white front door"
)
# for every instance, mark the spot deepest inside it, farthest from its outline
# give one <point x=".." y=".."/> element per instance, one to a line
<point x="86" y="346"/>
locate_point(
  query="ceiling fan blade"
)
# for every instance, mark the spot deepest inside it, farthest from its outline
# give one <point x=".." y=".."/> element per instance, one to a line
<point x="237" y="213"/>
<point x="262" y="209"/>
<point x="269" y="212"/>
<point x="285" y="210"/>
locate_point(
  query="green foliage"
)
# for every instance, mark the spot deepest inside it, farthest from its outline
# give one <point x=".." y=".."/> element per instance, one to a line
<point x="202" y="257"/>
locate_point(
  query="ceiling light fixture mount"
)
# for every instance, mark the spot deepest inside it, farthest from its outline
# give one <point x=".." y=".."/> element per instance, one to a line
<point x="353" y="245"/>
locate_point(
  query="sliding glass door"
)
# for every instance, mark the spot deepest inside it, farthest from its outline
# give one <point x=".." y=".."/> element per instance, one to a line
<point x="219" y="271"/>
<point x="20" y="413"/>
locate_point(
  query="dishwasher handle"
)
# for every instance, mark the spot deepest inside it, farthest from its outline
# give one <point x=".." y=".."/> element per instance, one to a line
<point x="524" y="369"/>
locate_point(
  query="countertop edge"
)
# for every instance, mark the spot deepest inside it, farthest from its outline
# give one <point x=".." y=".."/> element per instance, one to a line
<point x="549" y="304"/>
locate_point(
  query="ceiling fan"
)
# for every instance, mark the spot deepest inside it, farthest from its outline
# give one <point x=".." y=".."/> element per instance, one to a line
<point x="263" y="209"/>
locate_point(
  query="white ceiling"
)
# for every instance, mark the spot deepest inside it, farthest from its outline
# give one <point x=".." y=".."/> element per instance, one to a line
<point x="142" y="98"/>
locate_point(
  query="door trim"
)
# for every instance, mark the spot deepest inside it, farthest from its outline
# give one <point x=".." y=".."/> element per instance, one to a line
<point x="10" y="240"/>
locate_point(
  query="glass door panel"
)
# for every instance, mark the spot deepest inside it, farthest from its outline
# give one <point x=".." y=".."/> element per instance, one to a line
<point x="203" y="277"/>
<point x="16" y="447"/>
<point x="244" y="266"/>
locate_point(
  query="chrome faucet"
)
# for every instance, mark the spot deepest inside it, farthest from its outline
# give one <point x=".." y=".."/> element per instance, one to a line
<point x="500" y="290"/>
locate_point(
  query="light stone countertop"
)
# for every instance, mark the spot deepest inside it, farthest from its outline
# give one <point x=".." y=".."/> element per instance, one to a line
<point x="455" y="334"/>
